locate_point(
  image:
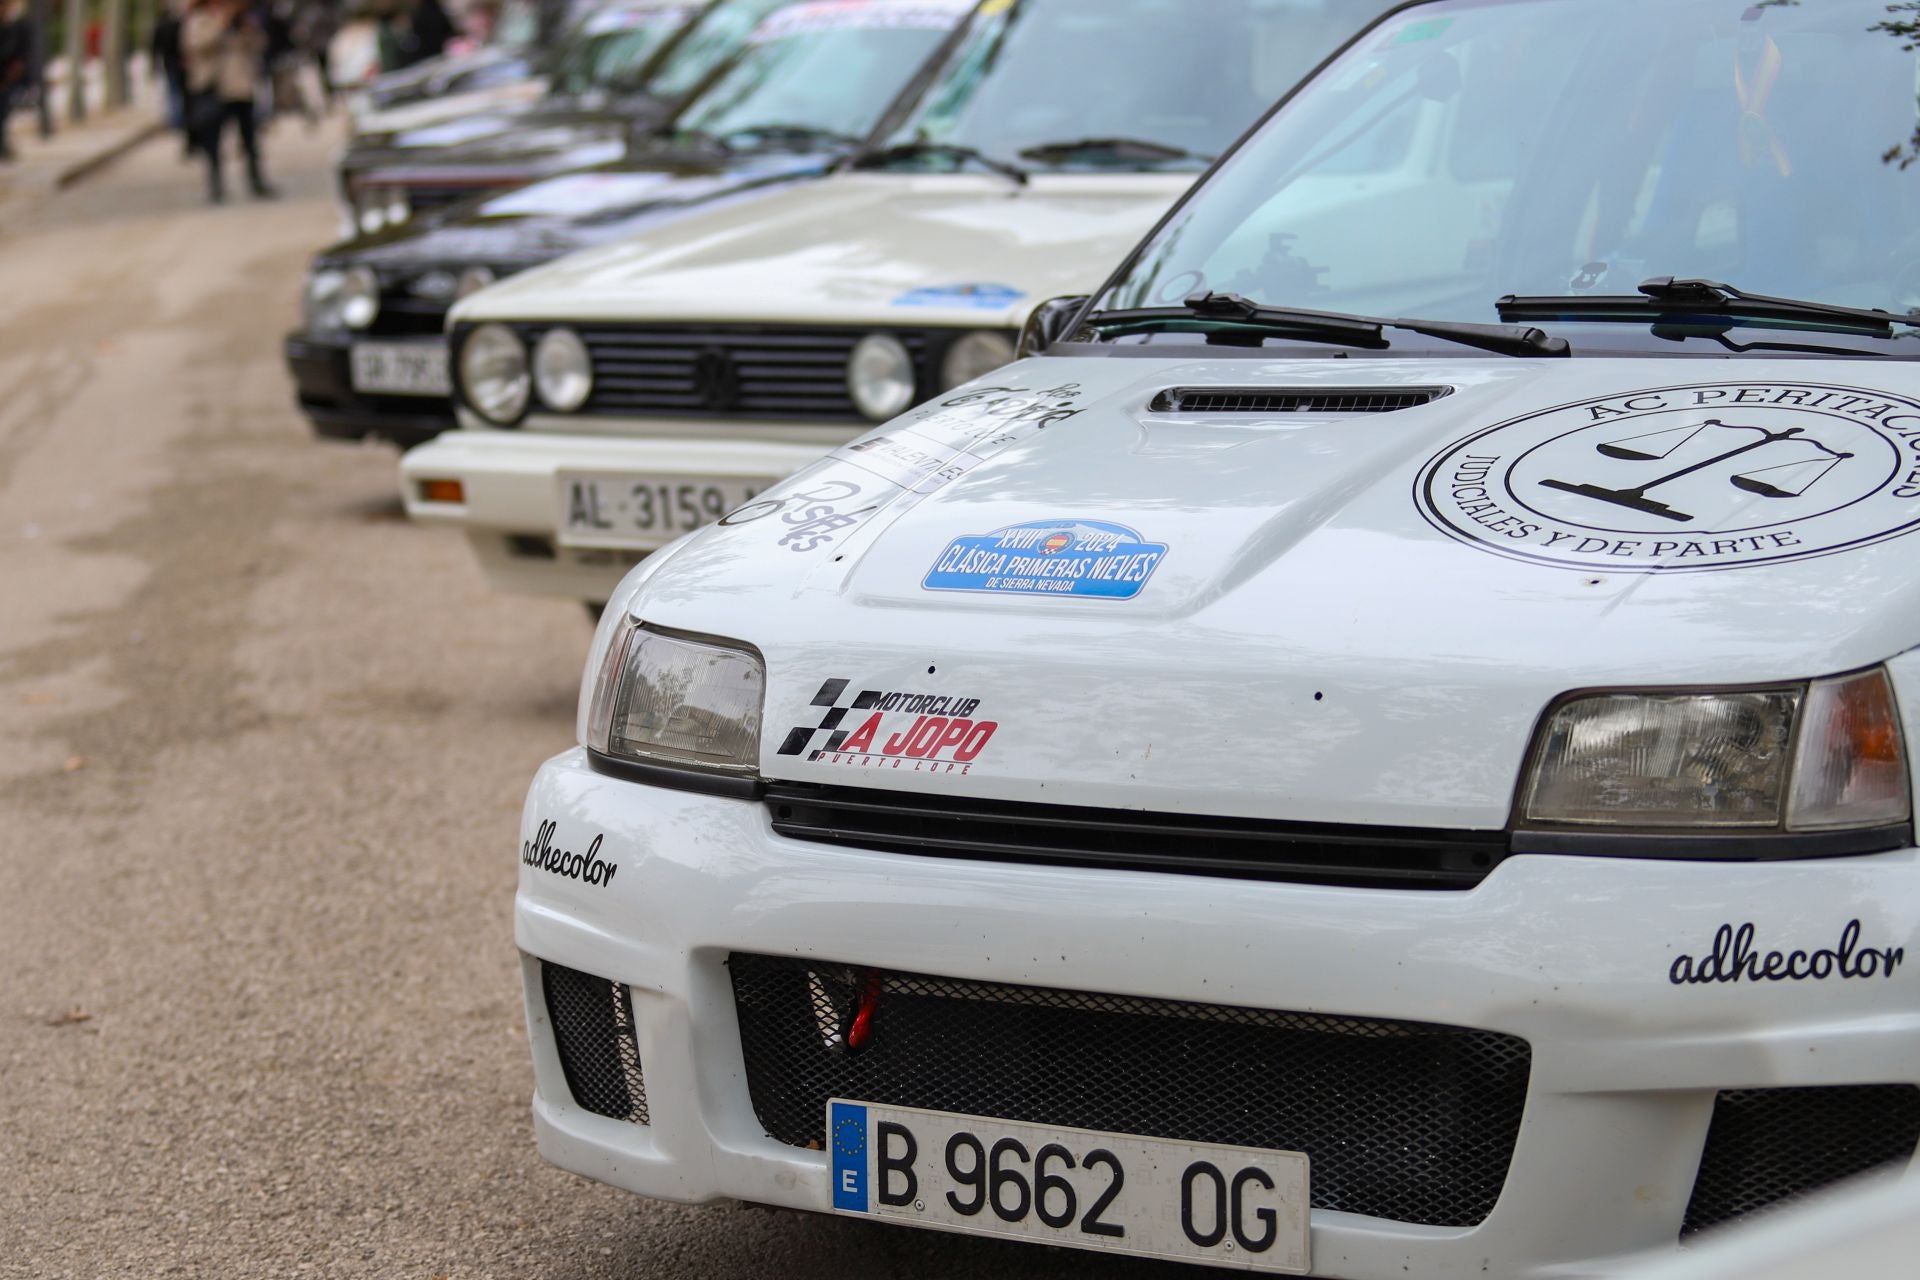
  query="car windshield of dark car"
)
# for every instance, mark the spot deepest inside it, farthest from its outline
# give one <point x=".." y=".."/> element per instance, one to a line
<point x="612" y="43"/>
<point x="710" y="40"/>
<point x="1469" y="149"/>
<point x="829" y="67"/>
<point x="1066" y="76"/>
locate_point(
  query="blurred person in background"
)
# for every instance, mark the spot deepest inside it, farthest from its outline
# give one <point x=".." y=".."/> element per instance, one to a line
<point x="16" y="60"/>
<point x="223" y="45"/>
<point x="314" y="28"/>
<point x="170" y="63"/>
<point x="283" y="61"/>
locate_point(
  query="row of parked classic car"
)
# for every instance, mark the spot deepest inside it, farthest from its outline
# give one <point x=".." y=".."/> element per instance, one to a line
<point x="1270" y="633"/>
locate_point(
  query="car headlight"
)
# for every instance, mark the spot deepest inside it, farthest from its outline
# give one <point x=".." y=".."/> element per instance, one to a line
<point x="678" y="702"/>
<point x="320" y="301"/>
<point x="493" y="373"/>
<point x="1809" y="757"/>
<point x="880" y="377"/>
<point x="473" y="280"/>
<point x="359" y="297"/>
<point x="399" y="208"/>
<point x="972" y="356"/>
<point x="562" y="370"/>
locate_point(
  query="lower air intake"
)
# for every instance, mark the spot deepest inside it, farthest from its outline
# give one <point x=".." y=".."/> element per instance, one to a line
<point x="593" y="1030"/>
<point x="1410" y="1121"/>
<point x="1767" y="1146"/>
<point x="1294" y="399"/>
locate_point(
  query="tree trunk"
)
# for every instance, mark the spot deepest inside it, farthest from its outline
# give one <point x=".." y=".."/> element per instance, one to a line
<point x="76" y="60"/>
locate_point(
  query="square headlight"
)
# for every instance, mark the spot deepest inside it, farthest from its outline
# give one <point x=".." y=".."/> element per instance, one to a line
<point x="679" y="701"/>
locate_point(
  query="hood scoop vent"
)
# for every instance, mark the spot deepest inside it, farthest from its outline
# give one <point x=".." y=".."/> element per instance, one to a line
<point x="1294" y="399"/>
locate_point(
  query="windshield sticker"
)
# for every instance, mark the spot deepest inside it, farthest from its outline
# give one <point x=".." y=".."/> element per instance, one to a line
<point x="885" y="729"/>
<point x="983" y="297"/>
<point x="839" y="15"/>
<point x="1734" y="959"/>
<point x="542" y="853"/>
<point x="630" y="19"/>
<point x="1685" y="479"/>
<point x="1088" y="558"/>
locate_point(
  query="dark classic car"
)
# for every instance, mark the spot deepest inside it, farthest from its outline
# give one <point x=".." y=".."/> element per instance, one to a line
<point x="623" y="69"/>
<point x="370" y="359"/>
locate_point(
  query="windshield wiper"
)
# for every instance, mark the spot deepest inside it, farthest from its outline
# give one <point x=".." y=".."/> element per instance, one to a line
<point x="1664" y="298"/>
<point x="788" y="133"/>
<point x="875" y="157"/>
<point x="1123" y="148"/>
<point x="1336" y="327"/>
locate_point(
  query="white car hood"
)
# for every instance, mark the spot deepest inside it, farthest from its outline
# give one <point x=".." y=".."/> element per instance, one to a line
<point x="958" y="249"/>
<point x="1320" y="616"/>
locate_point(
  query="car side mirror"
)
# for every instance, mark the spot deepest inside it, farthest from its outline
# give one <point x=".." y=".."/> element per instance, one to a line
<point x="1048" y="324"/>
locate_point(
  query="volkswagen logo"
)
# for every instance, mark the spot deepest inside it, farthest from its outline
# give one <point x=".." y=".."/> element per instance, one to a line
<point x="716" y="380"/>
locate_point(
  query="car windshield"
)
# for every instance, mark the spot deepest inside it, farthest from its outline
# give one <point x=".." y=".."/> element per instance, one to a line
<point x="710" y="40"/>
<point x="830" y="67"/>
<point x="1044" y="83"/>
<point x="1469" y="149"/>
<point x="612" y="43"/>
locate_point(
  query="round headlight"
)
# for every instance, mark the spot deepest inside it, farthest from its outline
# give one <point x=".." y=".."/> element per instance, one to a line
<point x="359" y="298"/>
<point x="973" y="356"/>
<point x="493" y="373"/>
<point x="562" y="370"/>
<point x="320" y="302"/>
<point x="880" y="376"/>
<point x="473" y="280"/>
<point x="398" y="210"/>
<point x="372" y="217"/>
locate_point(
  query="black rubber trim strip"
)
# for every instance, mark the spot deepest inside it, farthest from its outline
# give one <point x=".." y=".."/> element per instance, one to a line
<point x="1725" y="846"/>
<point x="731" y="786"/>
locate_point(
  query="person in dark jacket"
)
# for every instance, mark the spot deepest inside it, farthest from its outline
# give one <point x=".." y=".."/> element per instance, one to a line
<point x="224" y="44"/>
<point x="16" y="61"/>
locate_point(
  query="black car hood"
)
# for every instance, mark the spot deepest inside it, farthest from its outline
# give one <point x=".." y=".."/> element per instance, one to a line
<point x="575" y="210"/>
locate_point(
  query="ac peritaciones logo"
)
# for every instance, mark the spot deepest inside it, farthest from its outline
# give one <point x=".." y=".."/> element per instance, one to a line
<point x="1706" y="476"/>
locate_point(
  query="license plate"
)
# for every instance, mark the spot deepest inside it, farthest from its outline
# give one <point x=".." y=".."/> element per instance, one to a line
<point x="606" y="509"/>
<point x="1190" y="1201"/>
<point x="401" y="368"/>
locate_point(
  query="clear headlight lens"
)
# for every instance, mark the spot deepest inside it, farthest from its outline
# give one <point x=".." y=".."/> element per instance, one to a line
<point x="685" y="703"/>
<point x="473" y="280"/>
<point x="1721" y="760"/>
<point x="493" y="373"/>
<point x="320" y="301"/>
<point x="880" y="377"/>
<point x="399" y="208"/>
<point x="973" y="356"/>
<point x="359" y="297"/>
<point x="370" y="215"/>
<point x="562" y="370"/>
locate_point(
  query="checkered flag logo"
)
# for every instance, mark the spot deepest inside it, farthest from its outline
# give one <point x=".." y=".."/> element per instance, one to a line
<point x="800" y="738"/>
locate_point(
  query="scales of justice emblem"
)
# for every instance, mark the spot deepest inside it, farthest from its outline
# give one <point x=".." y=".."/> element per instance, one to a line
<point x="1784" y="464"/>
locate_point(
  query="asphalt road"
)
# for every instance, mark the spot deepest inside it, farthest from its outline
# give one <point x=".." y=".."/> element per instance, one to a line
<point x="262" y="748"/>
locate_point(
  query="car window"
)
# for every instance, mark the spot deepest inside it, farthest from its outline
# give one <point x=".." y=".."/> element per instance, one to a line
<point x="829" y="65"/>
<point x="708" y="42"/>
<point x="1473" y="148"/>
<point x="612" y="43"/>
<point x="1189" y="75"/>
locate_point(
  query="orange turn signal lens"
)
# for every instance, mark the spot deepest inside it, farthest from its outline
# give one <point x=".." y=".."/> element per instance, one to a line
<point x="442" y="491"/>
<point x="1852" y="768"/>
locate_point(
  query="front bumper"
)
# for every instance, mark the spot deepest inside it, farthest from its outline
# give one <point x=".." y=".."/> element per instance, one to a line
<point x="511" y="493"/>
<point x="323" y="386"/>
<point x="1570" y="954"/>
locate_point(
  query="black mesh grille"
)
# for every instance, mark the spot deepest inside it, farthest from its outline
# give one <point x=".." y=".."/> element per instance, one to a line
<point x="1769" y="1145"/>
<point x="957" y="827"/>
<point x="730" y="371"/>
<point x="1294" y="400"/>
<point x="593" y="1029"/>
<point x="1403" y="1120"/>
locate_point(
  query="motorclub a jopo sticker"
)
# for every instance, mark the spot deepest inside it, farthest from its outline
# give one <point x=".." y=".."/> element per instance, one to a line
<point x="1090" y="558"/>
<point x="1704" y="476"/>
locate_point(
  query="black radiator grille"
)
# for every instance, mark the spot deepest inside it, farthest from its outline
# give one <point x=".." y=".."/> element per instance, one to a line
<point x="728" y="371"/>
<point x="402" y="314"/>
<point x="593" y="1030"/>
<point x="1409" y="1121"/>
<point x="1294" y="399"/>
<point x="957" y="827"/>
<point x="1767" y="1146"/>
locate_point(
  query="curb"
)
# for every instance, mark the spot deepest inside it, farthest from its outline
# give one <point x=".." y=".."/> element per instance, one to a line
<point x="86" y="166"/>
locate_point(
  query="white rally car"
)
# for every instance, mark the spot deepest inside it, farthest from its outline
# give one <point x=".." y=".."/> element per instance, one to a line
<point x="1414" y="783"/>
<point x="620" y="397"/>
